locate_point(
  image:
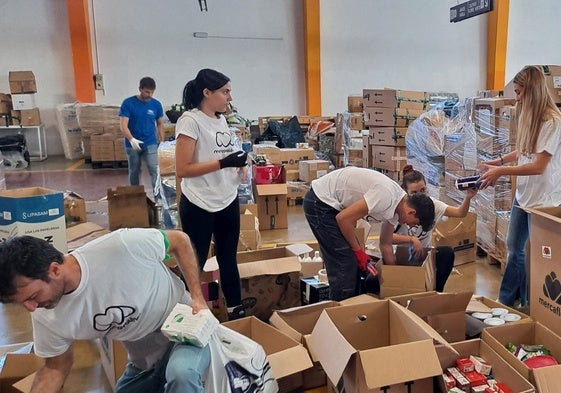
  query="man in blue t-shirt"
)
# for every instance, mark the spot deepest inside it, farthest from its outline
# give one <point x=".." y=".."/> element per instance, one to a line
<point x="143" y="127"/>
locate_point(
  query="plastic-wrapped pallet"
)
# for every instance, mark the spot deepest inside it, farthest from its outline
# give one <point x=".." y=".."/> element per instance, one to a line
<point x="69" y="130"/>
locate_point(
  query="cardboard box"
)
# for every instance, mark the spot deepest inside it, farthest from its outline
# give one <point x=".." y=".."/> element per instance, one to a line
<point x="390" y="98"/>
<point x="527" y="332"/>
<point x="17" y="362"/>
<point x="391" y="158"/>
<point x="272" y="206"/>
<point x="23" y="101"/>
<point x="121" y="155"/>
<point x="403" y="278"/>
<point x="270" y="279"/>
<point x="501" y="370"/>
<point x="127" y="207"/>
<point x="376" y="344"/>
<point x="357" y="122"/>
<point x="480" y="303"/>
<point x="74" y="209"/>
<point x="298" y="324"/>
<point x="387" y="136"/>
<point x="33" y="211"/>
<point x="545" y="267"/>
<point x="444" y="312"/>
<point x="287" y="357"/>
<point x="290" y="157"/>
<point x="103" y="147"/>
<point x="390" y="117"/>
<point x="312" y="169"/>
<point x="460" y="234"/>
<point x="22" y="82"/>
<point x="5" y="103"/>
<point x="250" y="237"/>
<point x="114" y="359"/>
<point x="80" y="234"/>
<point x="296" y="189"/>
<point x="30" y="117"/>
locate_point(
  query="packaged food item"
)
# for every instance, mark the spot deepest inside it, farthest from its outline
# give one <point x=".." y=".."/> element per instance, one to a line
<point x="464" y="183"/>
<point x="184" y="327"/>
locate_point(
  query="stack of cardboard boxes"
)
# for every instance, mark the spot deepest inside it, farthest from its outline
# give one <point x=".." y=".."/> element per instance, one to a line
<point x="101" y="133"/>
<point x="23" y="88"/>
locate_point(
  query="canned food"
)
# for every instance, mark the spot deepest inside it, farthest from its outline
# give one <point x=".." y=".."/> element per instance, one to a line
<point x="464" y="183"/>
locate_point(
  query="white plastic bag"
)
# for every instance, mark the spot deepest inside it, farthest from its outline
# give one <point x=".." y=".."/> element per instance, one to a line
<point x="238" y="365"/>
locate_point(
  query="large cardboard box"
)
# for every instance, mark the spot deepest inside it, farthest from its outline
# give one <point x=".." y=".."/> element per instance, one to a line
<point x="23" y="101"/>
<point x="387" y="136"/>
<point x="127" y="207"/>
<point x="17" y="362"/>
<point x="312" y="169"/>
<point x="527" y="332"/>
<point x="391" y="158"/>
<point x="298" y="323"/>
<point x="390" y="117"/>
<point x="404" y="278"/>
<point x="444" y="312"/>
<point x="114" y="359"/>
<point x="22" y="82"/>
<point x="367" y="346"/>
<point x="33" y="211"/>
<point x="501" y="370"/>
<point x="460" y="234"/>
<point x="390" y="98"/>
<point x="80" y="234"/>
<point x="30" y="117"/>
<point x="5" y="103"/>
<point x="270" y="279"/>
<point x="287" y="357"/>
<point x="545" y="267"/>
<point x="290" y="157"/>
<point x="272" y="206"/>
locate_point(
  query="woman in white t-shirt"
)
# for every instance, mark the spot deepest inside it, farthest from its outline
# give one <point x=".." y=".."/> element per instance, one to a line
<point x="414" y="182"/>
<point x="538" y="164"/>
<point x="208" y="161"/>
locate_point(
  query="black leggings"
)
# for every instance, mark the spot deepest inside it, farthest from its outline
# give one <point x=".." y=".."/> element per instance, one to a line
<point x="201" y="225"/>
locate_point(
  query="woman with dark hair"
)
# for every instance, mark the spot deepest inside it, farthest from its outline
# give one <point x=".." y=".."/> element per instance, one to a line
<point x="414" y="182"/>
<point x="208" y="161"/>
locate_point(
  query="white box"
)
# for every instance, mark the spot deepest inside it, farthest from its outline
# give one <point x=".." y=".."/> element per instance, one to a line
<point x="23" y="101"/>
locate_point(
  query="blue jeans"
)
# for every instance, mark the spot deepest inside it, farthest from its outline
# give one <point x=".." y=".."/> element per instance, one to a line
<point x="150" y="155"/>
<point x="339" y="258"/>
<point x="514" y="283"/>
<point x="179" y="371"/>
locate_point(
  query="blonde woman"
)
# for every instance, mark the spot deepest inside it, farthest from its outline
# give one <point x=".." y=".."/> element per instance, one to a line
<point x="538" y="164"/>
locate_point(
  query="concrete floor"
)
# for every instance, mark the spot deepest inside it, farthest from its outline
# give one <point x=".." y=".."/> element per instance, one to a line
<point x="61" y="174"/>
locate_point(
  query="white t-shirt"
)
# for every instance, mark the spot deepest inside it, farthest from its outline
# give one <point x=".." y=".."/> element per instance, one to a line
<point x="125" y="293"/>
<point x="343" y="187"/>
<point x="545" y="189"/>
<point x="215" y="190"/>
<point x="417" y="230"/>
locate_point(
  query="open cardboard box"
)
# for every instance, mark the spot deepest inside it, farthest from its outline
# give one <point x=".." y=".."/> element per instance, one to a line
<point x="18" y="363"/>
<point x="287" y="357"/>
<point x="501" y="370"/>
<point x="298" y="323"/>
<point x="403" y="278"/>
<point x="527" y="332"/>
<point x="444" y="312"/>
<point x="270" y="279"/>
<point x="376" y="344"/>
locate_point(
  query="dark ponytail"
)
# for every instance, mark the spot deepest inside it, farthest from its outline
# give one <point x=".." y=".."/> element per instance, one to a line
<point x="411" y="175"/>
<point x="206" y="79"/>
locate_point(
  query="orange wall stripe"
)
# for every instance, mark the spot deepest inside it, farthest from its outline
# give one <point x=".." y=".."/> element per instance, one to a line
<point x="79" y="23"/>
<point x="312" y="57"/>
<point x="497" y="36"/>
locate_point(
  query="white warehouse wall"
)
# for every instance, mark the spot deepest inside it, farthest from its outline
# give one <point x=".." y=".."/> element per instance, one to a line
<point x="407" y="44"/>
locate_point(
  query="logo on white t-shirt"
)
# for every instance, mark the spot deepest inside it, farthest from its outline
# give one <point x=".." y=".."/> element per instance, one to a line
<point x="115" y="317"/>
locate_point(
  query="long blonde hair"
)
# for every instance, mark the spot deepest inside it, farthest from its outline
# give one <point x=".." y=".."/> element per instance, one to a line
<point x="535" y="108"/>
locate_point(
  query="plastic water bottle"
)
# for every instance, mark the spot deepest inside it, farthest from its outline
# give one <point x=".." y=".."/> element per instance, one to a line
<point x="307" y="257"/>
<point x="317" y="257"/>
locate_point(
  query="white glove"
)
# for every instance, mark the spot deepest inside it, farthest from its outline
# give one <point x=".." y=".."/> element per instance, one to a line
<point x="135" y="143"/>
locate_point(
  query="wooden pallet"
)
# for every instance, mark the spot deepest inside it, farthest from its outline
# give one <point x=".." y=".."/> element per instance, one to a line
<point x="294" y="201"/>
